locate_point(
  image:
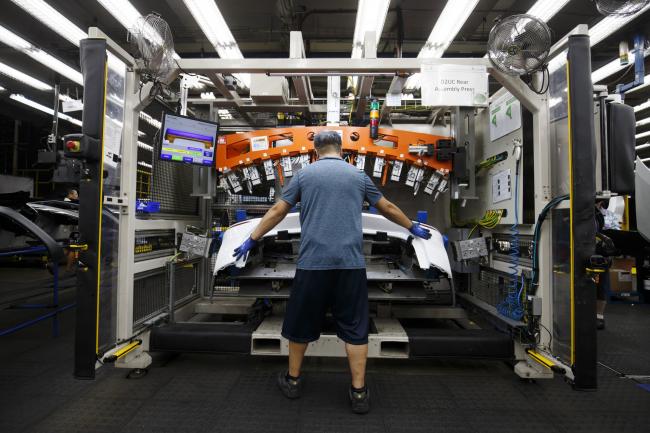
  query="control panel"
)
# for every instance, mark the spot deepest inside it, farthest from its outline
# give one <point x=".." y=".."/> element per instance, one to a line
<point x="150" y="244"/>
<point x="196" y="245"/>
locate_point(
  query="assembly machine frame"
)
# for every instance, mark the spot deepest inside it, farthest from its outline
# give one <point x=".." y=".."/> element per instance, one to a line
<point x="137" y="357"/>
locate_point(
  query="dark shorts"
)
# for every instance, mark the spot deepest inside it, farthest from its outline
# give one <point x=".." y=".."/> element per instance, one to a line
<point x="344" y="291"/>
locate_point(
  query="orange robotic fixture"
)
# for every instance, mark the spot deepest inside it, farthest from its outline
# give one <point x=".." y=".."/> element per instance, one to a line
<point x="238" y="150"/>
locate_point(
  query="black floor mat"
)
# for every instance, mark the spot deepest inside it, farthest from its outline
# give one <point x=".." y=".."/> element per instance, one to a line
<point x="211" y="393"/>
<point x="624" y="344"/>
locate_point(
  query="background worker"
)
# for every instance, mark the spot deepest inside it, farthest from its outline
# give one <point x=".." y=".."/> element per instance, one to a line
<point x="331" y="270"/>
<point x="72" y="196"/>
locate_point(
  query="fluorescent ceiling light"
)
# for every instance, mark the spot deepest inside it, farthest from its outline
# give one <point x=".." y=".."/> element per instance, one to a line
<point x="65" y="28"/>
<point x="610" y="24"/>
<point x="546" y="9"/>
<point x="597" y="33"/>
<point x="52" y="18"/>
<point x="643" y="122"/>
<point x="144" y="164"/>
<point x="2" y="89"/>
<point x="645" y="160"/>
<point x="643" y="146"/>
<point x="209" y="18"/>
<point x="611" y="68"/>
<point x="123" y="11"/>
<point x="224" y="114"/>
<point x="145" y="146"/>
<point x="371" y="16"/>
<point x="643" y="135"/>
<point x="643" y="106"/>
<point x="22" y="77"/>
<point x="449" y="23"/>
<point x="44" y="109"/>
<point x="614" y="66"/>
<point x="150" y="120"/>
<point x="20" y="44"/>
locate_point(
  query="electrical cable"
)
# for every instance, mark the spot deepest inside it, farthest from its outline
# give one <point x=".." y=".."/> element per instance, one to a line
<point x="512" y="305"/>
<point x="536" y="234"/>
<point x="490" y="220"/>
<point x="491" y="161"/>
<point x="544" y="85"/>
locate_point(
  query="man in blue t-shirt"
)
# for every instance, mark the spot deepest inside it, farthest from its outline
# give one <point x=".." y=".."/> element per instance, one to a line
<point x="331" y="271"/>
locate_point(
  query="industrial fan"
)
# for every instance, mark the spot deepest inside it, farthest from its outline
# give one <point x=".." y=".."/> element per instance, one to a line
<point x="620" y="7"/>
<point x="519" y="44"/>
<point x="153" y="46"/>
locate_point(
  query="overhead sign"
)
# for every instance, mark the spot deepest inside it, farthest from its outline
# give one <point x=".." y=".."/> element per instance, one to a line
<point x="72" y="105"/>
<point x="454" y="85"/>
<point x="259" y="143"/>
<point x="505" y="116"/>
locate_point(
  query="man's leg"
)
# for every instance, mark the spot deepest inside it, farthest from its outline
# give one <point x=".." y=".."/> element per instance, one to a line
<point x="357" y="357"/>
<point x="303" y="321"/>
<point x="350" y="310"/>
<point x="296" y="355"/>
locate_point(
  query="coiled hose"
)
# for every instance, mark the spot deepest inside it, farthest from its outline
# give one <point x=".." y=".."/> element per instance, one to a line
<point x="512" y="305"/>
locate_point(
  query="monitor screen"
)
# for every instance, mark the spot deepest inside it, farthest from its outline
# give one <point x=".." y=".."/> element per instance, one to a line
<point x="187" y="140"/>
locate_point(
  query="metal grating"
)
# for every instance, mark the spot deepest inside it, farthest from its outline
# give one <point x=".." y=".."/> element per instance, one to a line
<point x="491" y="286"/>
<point x="151" y="290"/>
<point x="226" y="204"/>
<point x="171" y="185"/>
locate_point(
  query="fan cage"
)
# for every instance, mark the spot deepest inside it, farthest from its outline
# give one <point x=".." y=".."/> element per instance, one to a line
<point x="620" y="8"/>
<point x="152" y="43"/>
<point x="519" y="44"/>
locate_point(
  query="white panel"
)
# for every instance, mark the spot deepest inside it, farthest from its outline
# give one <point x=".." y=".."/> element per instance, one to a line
<point x="505" y="116"/>
<point x="449" y="85"/>
<point x="333" y="100"/>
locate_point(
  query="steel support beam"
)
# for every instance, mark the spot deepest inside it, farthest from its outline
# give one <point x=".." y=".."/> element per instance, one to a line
<point x="365" y="83"/>
<point x="244" y="106"/>
<point x="342" y="66"/>
<point x="301" y="84"/>
<point x="230" y="95"/>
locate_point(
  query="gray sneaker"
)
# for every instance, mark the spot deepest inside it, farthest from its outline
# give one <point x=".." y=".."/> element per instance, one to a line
<point x="360" y="401"/>
<point x="290" y="388"/>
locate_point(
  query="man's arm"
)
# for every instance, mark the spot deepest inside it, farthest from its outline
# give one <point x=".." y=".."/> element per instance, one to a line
<point x="395" y="214"/>
<point x="271" y="219"/>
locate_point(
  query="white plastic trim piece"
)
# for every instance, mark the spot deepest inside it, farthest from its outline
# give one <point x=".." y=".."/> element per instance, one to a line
<point x="429" y="252"/>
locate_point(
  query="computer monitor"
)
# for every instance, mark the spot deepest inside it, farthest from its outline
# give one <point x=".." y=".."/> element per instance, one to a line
<point x="187" y="140"/>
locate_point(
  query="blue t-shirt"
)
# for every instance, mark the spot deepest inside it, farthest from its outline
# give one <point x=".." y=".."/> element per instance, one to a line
<point x="331" y="193"/>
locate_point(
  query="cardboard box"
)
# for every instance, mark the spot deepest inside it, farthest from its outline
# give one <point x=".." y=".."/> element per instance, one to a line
<point x="622" y="275"/>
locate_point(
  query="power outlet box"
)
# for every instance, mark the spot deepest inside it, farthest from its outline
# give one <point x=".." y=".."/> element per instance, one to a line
<point x="501" y="186"/>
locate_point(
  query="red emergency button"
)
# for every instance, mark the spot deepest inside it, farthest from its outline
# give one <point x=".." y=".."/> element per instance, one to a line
<point x="73" y="146"/>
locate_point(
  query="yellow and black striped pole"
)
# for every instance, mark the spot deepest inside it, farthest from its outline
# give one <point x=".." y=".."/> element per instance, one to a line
<point x="582" y="160"/>
<point x="94" y="69"/>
